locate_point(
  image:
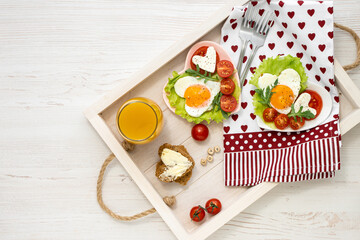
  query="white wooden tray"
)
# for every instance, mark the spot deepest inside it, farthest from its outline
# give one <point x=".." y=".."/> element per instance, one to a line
<point x="206" y="182"/>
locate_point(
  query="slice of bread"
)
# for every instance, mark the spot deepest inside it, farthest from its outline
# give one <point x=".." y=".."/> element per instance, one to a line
<point x="161" y="167"/>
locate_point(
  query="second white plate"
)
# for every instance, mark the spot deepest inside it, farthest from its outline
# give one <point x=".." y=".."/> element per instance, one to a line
<point x="326" y="110"/>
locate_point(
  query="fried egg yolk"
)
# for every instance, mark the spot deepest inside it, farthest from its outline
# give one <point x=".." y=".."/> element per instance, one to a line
<point x="196" y="95"/>
<point x="282" y="97"/>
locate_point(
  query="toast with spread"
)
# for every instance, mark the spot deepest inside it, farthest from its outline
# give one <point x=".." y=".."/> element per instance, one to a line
<point x="175" y="164"/>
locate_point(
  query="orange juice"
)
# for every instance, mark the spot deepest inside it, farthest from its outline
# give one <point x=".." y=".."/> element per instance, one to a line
<point x="139" y="120"/>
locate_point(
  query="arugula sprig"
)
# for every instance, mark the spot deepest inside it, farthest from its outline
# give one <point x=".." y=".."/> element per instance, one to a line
<point x="216" y="104"/>
<point x="266" y="94"/>
<point x="206" y="76"/>
<point x="306" y="114"/>
<point x="174" y="79"/>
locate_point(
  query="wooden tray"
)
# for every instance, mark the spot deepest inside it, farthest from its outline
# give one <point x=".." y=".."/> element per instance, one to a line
<point x="206" y="182"/>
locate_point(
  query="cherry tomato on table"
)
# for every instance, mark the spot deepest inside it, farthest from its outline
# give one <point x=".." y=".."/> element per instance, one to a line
<point x="228" y="103"/>
<point x="315" y="102"/>
<point x="227" y="86"/>
<point x="202" y="52"/>
<point x="225" y="68"/>
<point x="270" y="114"/>
<point x="197" y="214"/>
<point x="281" y="121"/>
<point x="296" y="125"/>
<point x="200" y="132"/>
<point x="213" y="206"/>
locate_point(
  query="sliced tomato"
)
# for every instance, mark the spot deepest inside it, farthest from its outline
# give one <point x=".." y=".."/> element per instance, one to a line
<point x="296" y="125"/>
<point x="228" y="103"/>
<point x="315" y="102"/>
<point x="281" y="121"/>
<point x="225" y="68"/>
<point x="227" y="86"/>
<point x="202" y="52"/>
<point x="270" y="114"/>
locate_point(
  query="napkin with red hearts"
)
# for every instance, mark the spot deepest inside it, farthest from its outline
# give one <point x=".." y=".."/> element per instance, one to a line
<point x="253" y="155"/>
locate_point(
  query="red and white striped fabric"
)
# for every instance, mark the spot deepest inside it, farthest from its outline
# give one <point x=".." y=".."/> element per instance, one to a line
<point x="281" y="157"/>
<point x="252" y="155"/>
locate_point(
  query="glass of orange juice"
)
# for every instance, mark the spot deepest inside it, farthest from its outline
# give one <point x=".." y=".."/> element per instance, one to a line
<point x="139" y="120"/>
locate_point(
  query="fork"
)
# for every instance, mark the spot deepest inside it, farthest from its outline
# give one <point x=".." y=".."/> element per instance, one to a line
<point x="259" y="29"/>
<point x="245" y="33"/>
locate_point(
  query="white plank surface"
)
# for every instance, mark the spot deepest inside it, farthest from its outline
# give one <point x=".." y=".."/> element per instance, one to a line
<point x="57" y="57"/>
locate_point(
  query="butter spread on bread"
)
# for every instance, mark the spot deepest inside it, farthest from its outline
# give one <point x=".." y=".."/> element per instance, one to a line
<point x="176" y="164"/>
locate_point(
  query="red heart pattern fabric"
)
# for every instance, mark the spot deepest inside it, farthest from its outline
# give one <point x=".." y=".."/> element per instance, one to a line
<point x="303" y="29"/>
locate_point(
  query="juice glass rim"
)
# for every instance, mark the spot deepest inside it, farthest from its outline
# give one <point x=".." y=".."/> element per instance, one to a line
<point x="129" y="102"/>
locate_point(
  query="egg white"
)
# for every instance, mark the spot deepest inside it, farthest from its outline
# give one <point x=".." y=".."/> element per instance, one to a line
<point x="284" y="111"/>
<point x="183" y="83"/>
<point x="303" y="101"/>
<point x="289" y="77"/>
<point x="266" y="80"/>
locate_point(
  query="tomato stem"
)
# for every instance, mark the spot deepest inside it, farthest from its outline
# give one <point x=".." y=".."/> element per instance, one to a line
<point x="212" y="205"/>
<point x="197" y="212"/>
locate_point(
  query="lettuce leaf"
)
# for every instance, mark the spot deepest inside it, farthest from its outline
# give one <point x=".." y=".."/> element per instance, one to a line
<point x="275" y="66"/>
<point x="237" y="90"/>
<point x="259" y="109"/>
<point x="178" y="102"/>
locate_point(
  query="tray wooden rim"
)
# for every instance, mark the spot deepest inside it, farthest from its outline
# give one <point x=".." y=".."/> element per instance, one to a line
<point x="93" y="114"/>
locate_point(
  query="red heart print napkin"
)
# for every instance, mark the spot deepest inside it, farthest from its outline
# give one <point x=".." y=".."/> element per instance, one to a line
<point x="252" y="155"/>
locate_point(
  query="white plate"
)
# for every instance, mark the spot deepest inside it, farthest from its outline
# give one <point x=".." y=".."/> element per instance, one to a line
<point x="326" y="110"/>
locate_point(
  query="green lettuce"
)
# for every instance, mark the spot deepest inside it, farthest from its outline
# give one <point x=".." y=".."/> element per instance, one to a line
<point x="275" y="66"/>
<point x="237" y="90"/>
<point x="178" y="102"/>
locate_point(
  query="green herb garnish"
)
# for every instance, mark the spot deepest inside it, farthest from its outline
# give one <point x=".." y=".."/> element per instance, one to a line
<point x="174" y="80"/>
<point x="216" y="105"/>
<point x="196" y="73"/>
<point x="307" y="114"/>
<point x="266" y="94"/>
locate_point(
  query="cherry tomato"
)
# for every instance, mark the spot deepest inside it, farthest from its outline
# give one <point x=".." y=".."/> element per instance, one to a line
<point x="296" y="125"/>
<point x="227" y="86"/>
<point x="270" y="114"/>
<point x="200" y="132"/>
<point x="315" y="102"/>
<point x="202" y="52"/>
<point x="197" y="214"/>
<point x="213" y="206"/>
<point x="225" y="68"/>
<point x="281" y="121"/>
<point x="228" y="103"/>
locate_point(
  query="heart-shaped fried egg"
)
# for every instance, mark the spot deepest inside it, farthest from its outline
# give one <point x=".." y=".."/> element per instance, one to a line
<point x="285" y="92"/>
<point x="198" y="94"/>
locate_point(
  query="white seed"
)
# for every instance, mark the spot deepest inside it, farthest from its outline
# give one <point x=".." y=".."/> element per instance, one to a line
<point x="217" y="149"/>
<point x="211" y="151"/>
<point x="203" y="162"/>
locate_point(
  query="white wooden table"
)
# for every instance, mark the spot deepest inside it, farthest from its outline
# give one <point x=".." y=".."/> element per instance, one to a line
<point x="58" y="57"/>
